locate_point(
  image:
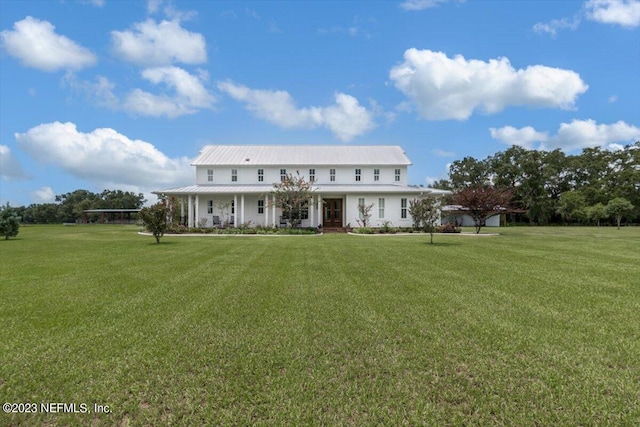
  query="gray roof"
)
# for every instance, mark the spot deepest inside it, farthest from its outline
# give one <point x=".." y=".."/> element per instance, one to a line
<point x="319" y="189"/>
<point x="300" y="155"/>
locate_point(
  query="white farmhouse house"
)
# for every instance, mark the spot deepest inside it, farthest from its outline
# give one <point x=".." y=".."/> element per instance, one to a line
<point x="234" y="184"/>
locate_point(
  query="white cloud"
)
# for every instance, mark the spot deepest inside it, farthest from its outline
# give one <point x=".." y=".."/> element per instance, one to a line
<point x="526" y="137"/>
<point x="346" y="118"/>
<point x="9" y="166"/>
<point x="151" y="44"/>
<point x="422" y="4"/>
<point x="453" y="88"/>
<point x="36" y="45"/>
<point x="612" y="99"/>
<point x="554" y="25"/>
<point x="43" y="195"/>
<point x="189" y="95"/>
<point x="96" y="3"/>
<point x="625" y="13"/>
<point x="570" y="136"/>
<point x="104" y="156"/>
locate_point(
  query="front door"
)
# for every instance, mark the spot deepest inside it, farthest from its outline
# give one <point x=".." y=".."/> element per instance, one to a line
<point x="332" y="213"/>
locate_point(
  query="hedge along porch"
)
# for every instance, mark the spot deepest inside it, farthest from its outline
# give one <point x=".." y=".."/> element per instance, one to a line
<point x="234" y="185"/>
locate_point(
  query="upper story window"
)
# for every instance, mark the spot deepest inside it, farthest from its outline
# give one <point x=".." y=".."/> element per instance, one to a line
<point x="358" y="174"/>
<point x="332" y="174"/>
<point x="234" y="175"/>
<point x="260" y="175"/>
<point x="376" y="174"/>
<point x="312" y="175"/>
<point x="283" y="174"/>
<point x="397" y="175"/>
<point x="210" y="175"/>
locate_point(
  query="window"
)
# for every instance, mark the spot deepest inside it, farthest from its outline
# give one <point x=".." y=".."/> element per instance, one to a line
<point x="397" y="175"/>
<point x="210" y="175"/>
<point x="358" y="174"/>
<point x="312" y="175"/>
<point x="260" y="175"/>
<point x="210" y="206"/>
<point x="301" y="214"/>
<point x="332" y="174"/>
<point x="360" y="205"/>
<point x="234" y="175"/>
<point x="381" y="208"/>
<point x="403" y="208"/>
<point x="283" y="174"/>
<point x="376" y="174"/>
<point x="260" y="206"/>
<point x="233" y="207"/>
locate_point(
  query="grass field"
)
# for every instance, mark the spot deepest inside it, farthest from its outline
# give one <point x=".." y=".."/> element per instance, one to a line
<point x="535" y="327"/>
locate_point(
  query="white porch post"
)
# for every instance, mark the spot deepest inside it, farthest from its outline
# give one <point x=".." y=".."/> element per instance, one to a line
<point x="235" y="209"/>
<point x="182" y="202"/>
<point x="273" y="210"/>
<point x="242" y="209"/>
<point x="319" y="209"/>
<point x="190" y="213"/>
<point x="266" y="210"/>
<point x="197" y="209"/>
<point x="311" y="212"/>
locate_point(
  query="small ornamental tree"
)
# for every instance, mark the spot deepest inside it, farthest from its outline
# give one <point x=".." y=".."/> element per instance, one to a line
<point x="9" y="222"/>
<point x="364" y="212"/>
<point x="619" y="208"/>
<point x="155" y="219"/>
<point x="426" y="214"/>
<point x="292" y="195"/>
<point x="482" y="202"/>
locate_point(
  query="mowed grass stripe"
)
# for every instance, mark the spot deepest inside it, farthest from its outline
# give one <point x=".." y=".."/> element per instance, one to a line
<point x="538" y="326"/>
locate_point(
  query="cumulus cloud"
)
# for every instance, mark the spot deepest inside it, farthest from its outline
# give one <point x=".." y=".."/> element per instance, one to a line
<point x="625" y="13"/>
<point x="9" y="166"/>
<point x="453" y="88"/>
<point x="35" y="44"/>
<point x="104" y="156"/>
<point x="189" y="94"/>
<point x="422" y="4"/>
<point x="346" y="118"/>
<point x="43" y="195"/>
<point x="152" y="44"/>
<point x="570" y="136"/>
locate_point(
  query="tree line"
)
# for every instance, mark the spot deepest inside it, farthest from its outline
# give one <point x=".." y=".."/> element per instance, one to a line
<point x="70" y="207"/>
<point x="550" y="187"/>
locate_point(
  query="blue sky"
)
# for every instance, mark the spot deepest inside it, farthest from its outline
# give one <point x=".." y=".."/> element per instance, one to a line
<point x="122" y="94"/>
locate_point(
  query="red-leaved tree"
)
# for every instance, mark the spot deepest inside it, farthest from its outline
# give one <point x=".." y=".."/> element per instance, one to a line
<point x="482" y="202"/>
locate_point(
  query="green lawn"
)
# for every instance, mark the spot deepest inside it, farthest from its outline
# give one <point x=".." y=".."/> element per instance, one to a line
<point x="535" y="327"/>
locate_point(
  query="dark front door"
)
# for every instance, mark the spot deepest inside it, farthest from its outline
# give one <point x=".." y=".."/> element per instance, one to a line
<point x="332" y="213"/>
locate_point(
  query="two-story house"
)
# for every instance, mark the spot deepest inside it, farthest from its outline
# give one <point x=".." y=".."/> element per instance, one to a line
<point x="234" y="183"/>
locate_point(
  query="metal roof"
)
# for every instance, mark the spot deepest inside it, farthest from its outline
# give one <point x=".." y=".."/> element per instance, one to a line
<point x="319" y="189"/>
<point x="294" y="155"/>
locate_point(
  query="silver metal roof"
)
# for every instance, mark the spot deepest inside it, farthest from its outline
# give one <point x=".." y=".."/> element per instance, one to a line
<point x="319" y="189"/>
<point x="300" y="155"/>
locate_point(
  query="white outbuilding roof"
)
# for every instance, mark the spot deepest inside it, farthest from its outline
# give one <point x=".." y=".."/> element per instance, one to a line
<point x="300" y="155"/>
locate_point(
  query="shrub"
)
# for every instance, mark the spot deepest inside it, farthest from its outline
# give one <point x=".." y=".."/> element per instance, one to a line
<point x="448" y="228"/>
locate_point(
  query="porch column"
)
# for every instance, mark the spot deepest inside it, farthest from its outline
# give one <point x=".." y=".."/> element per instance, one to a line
<point x="235" y="210"/>
<point x="273" y="210"/>
<point x="182" y="202"/>
<point x="189" y="212"/>
<point x="319" y="209"/>
<point x="242" y="209"/>
<point x="311" y="212"/>
<point x="266" y="210"/>
<point x="196" y="219"/>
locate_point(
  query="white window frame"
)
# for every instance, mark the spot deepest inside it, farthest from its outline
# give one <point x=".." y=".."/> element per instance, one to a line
<point x="234" y="175"/>
<point x="332" y="175"/>
<point x="398" y="174"/>
<point x="312" y="175"/>
<point x="381" y="207"/>
<point x="403" y="208"/>
<point x="283" y="175"/>
<point x="376" y="174"/>
<point x="260" y="206"/>
<point x="209" y="175"/>
<point x="209" y="206"/>
<point x="358" y="175"/>
<point x="260" y="175"/>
